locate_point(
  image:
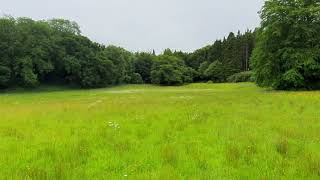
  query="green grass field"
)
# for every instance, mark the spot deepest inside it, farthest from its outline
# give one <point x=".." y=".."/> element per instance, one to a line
<point x="198" y="131"/>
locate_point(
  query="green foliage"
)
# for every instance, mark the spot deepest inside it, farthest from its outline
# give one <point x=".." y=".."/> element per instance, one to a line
<point x="246" y="76"/>
<point x="170" y="70"/>
<point x="136" y="79"/>
<point x="143" y="65"/>
<point x="65" y="26"/>
<point x="287" y="55"/>
<point x="202" y="69"/>
<point x="123" y="61"/>
<point x="166" y="73"/>
<point x="73" y="68"/>
<point x="216" y="72"/>
<point x="234" y="52"/>
<point x="168" y="52"/>
<point x="291" y="79"/>
<point x="5" y="76"/>
<point x="25" y="74"/>
<point x="54" y="51"/>
<point x="97" y="72"/>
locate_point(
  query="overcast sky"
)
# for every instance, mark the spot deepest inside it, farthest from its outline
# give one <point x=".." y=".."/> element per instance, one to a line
<point x="143" y="25"/>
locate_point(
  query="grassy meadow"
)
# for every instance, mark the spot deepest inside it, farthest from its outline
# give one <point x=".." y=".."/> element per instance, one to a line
<point x="197" y="131"/>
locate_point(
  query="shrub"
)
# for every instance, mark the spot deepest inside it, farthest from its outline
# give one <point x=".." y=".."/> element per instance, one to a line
<point x="136" y="78"/>
<point x="241" y="77"/>
<point x="292" y="79"/>
<point x="216" y="72"/>
<point x="170" y="70"/>
<point x="166" y="75"/>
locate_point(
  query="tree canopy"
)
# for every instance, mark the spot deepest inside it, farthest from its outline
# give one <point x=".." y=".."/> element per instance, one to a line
<point x="287" y="55"/>
<point x="171" y="70"/>
<point x="54" y="51"/>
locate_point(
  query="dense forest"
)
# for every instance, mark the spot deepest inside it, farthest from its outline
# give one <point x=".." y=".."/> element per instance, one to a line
<point x="283" y="53"/>
<point x="55" y="52"/>
<point x="287" y="53"/>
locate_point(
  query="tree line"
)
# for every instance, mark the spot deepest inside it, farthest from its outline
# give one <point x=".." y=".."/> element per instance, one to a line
<point x="283" y="53"/>
<point x="287" y="54"/>
<point x="54" y="51"/>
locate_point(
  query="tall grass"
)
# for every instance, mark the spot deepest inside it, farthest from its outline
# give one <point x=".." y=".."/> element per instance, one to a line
<point x="198" y="131"/>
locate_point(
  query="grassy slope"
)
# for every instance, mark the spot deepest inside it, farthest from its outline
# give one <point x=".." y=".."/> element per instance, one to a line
<point x="147" y="132"/>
